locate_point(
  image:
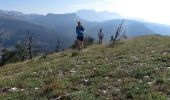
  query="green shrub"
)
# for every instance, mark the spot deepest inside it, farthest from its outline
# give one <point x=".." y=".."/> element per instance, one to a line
<point x="156" y="96"/>
<point x="75" y="53"/>
<point x="160" y="81"/>
<point x="44" y="56"/>
<point x="132" y="90"/>
<point x="141" y="71"/>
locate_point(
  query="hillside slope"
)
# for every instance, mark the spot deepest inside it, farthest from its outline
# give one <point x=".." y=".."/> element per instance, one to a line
<point x="136" y="69"/>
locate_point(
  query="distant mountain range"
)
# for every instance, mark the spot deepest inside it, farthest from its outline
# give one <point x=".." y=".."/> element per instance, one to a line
<point x="13" y="31"/>
<point x="92" y="15"/>
<point x="48" y="28"/>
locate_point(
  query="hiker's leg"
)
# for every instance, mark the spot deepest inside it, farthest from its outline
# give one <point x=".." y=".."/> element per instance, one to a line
<point x="81" y="44"/>
<point x="78" y="44"/>
<point x="101" y="40"/>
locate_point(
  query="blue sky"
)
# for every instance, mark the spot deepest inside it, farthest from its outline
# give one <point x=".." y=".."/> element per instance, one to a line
<point x="45" y="6"/>
<point x="151" y="10"/>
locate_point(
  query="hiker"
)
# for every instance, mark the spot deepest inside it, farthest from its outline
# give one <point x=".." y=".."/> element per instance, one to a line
<point x="101" y="35"/>
<point x="80" y="35"/>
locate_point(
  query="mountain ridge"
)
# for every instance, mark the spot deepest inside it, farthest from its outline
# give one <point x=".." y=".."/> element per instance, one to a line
<point x="16" y="30"/>
<point x="63" y="25"/>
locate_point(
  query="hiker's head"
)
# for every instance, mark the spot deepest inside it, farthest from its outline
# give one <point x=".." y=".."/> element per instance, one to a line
<point x="100" y="30"/>
<point x="79" y="23"/>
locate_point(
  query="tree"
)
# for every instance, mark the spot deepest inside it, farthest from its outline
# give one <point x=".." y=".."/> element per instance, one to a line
<point x="26" y="49"/>
<point x="120" y="32"/>
<point x="1" y="63"/>
<point x="124" y="35"/>
<point x="21" y="51"/>
<point x="88" y="40"/>
<point x="59" y="45"/>
<point x="7" y="56"/>
<point x="31" y="47"/>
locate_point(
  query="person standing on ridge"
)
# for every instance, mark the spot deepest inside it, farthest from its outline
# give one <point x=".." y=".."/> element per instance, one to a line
<point x="101" y="35"/>
<point x="80" y="35"/>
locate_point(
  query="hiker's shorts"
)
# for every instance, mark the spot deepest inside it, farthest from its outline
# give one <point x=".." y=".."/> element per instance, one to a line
<point x="80" y="38"/>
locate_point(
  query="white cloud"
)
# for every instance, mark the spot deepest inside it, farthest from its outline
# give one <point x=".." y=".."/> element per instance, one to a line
<point x="152" y="10"/>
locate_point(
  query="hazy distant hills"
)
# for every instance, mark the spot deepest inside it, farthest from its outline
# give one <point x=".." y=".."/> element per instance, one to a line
<point x="133" y="28"/>
<point x="159" y="28"/>
<point x="64" y="23"/>
<point x="48" y="28"/>
<point x="13" y="31"/>
<point x="92" y="15"/>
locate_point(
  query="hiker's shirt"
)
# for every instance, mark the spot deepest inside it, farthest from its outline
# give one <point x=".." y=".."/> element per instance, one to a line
<point x="80" y="31"/>
<point x="100" y="34"/>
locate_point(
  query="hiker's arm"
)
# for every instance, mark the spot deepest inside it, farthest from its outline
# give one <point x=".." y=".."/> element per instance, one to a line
<point x="77" y="31"/>
<point x="83" y="29"/>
